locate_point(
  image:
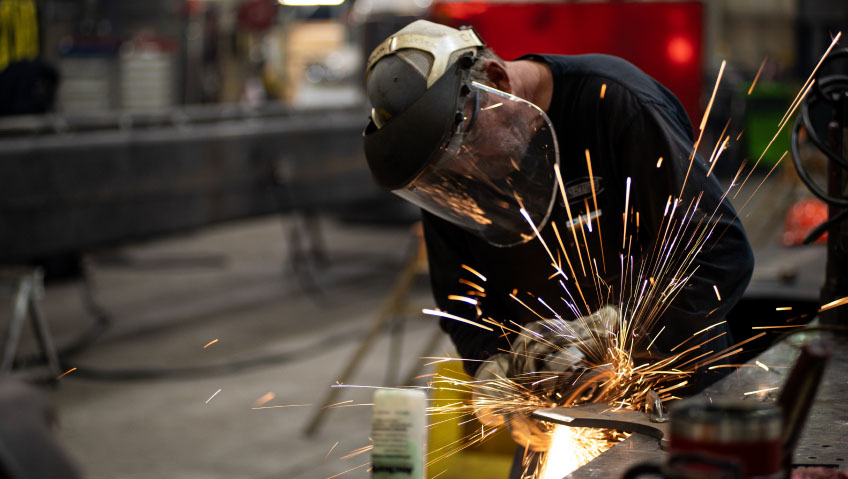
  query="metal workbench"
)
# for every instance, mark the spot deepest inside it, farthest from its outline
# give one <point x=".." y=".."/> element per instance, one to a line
<point x="824" y="441"/>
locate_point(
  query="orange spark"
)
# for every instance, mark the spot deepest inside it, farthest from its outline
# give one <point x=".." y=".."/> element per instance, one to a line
<point x="210" y="343"/>
<point x="464" y="299"/>
<point x="758" y="363"/>
<point x="626" y="203"/>
<point x="331" y="449"/>
<point x="834" y="304"/>
<point x="66" y="372"/>
<point x="810" y="79"/>
<point x="659" y="162"/>
<point x="603" y="90"/>
<point x="715" y="288"/>
<point x="264" y="398"/>
<point x="435" y="312"/>
<point x="777" y="327"/>
<point x="558" y="175"/>
<point x="469" y="283"/>
<point x="595" y="202"/>
<point x="212" y="396"/>
<point x="670" y="388"/>
<point x="761" y="391"/>
<point x="757" y="76"/>
<point x="655" y="338"/>
<point x="281" y="406"/>
<point x="473" y="271"/>
<point x="357" y="452"/>
<point x="349" y="470"/>
<point x="784" y="308"/>
<point x="703" y="125"/>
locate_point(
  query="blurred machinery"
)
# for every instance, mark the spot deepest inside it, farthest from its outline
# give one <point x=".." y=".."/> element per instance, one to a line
<point x="826" y="110"/>
<point x="71" y="184"/>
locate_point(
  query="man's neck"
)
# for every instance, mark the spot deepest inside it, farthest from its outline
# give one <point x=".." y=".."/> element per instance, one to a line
<point x="532" y="81"/>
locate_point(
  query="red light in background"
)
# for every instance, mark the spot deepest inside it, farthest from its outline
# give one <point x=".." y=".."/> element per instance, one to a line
<point x="681" y="50"/>
<point x="460" y="10"/>
<point x="662" y="38"/>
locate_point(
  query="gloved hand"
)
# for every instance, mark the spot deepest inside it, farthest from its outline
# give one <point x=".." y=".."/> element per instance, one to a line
<point x="543" y="349"/>
<point x="496" y="401"/>
<point x="555" y="346"/>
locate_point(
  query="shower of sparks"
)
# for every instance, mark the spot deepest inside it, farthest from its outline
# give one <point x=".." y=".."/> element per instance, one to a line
<point x="264" y="399"/>
<point x="66" y="373"/>
<point x="210" y="343"/>
<point x="212" y="396"/>
<point x="761" y="391"/>
<point x="757" y="76"/>
<point x="603" y="90"/>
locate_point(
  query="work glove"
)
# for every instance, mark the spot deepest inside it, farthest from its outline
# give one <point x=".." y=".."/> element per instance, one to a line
<point x="543" y="351"/>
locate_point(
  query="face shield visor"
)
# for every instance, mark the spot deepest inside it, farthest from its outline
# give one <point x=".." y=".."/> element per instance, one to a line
<point x="498" y="162"/>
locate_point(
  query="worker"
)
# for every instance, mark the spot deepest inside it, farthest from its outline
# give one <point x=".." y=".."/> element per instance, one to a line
<point x="475" y="141"/>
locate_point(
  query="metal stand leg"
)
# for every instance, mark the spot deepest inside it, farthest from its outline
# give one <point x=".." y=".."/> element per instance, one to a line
<point x="29" y="290"/>
<point x="16" y="324"/>
<point x="391" y="308"/>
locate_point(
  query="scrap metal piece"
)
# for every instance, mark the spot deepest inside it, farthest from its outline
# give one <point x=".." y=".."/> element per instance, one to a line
<point x="655" y="408"/>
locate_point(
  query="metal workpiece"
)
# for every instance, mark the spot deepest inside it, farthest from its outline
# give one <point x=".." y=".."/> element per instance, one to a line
<point x="604" y="417"/>
<point x="824" y="439"/>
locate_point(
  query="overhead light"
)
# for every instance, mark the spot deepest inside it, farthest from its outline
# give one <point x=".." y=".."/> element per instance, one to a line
<point x="310" y="3"/>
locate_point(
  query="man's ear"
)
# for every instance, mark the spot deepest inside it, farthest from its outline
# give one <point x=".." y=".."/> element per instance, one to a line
<point x="498" y="77"/>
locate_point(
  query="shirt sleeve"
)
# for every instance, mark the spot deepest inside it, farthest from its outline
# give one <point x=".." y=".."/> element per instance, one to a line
<point x="723" y="262"/>
<point x="447" y="251"/>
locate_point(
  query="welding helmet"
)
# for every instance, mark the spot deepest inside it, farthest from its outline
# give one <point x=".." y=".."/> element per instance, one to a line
<point x="475" y="156"/>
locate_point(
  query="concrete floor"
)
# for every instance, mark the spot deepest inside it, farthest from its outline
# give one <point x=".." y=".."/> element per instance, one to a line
<point x="169" y="298"/>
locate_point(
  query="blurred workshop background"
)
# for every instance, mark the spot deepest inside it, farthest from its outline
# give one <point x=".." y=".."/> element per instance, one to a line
<point x="190" y="237"/>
